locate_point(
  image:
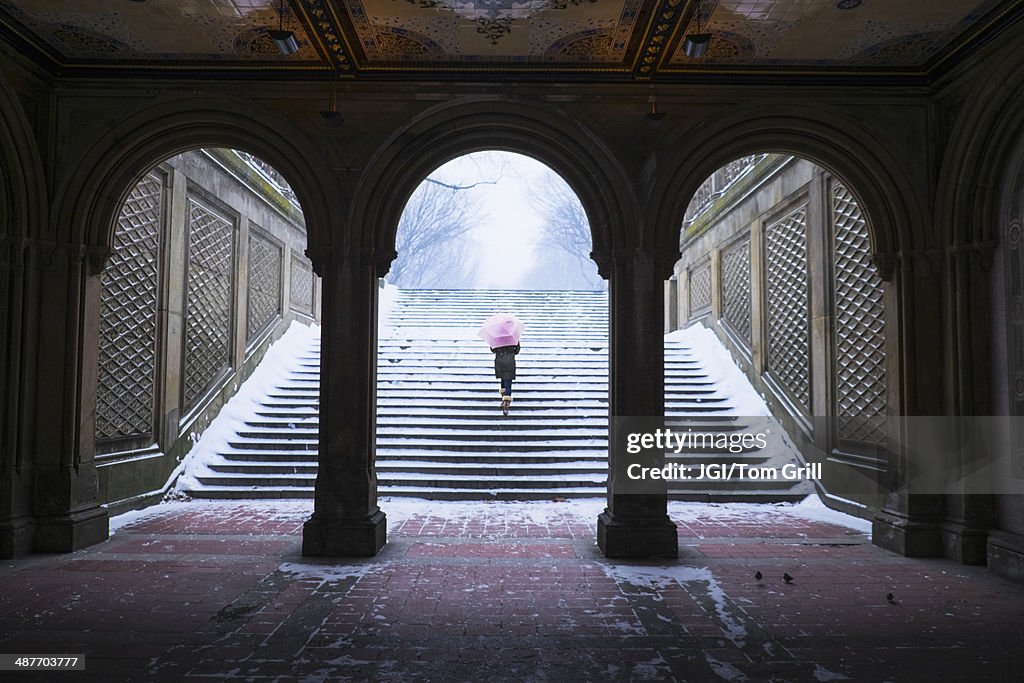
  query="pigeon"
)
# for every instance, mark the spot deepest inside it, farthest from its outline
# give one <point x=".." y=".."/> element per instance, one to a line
<point x="758" y="575"/>
<point x="787" y="578"/>
<point x="891" y="598"/>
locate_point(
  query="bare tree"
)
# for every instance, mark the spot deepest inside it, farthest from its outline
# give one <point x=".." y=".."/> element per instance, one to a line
<point x="563" y="258"/>
<point x="432" y="243"/>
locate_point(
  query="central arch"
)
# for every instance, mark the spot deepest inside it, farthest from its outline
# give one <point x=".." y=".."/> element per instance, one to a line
<point x="472" y="125"/>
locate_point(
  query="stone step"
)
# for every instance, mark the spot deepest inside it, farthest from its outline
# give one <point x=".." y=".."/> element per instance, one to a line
<point x="434" y="480"/>
<point x="482" y="470"/>
<point x="440" y="432"/>
<point x="306" y="481"/>
<point x="532" y="458"/>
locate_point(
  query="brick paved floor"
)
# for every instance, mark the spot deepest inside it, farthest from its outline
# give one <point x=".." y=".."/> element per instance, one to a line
<point x="507" y="592"/>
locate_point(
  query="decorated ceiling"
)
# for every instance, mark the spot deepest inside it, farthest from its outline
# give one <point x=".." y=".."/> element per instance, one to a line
<point x="613" y="38"/>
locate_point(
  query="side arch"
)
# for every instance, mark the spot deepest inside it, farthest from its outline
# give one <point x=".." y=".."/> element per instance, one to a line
<point x="470" y="125"/>
<point x="95" y="190"/>
<point x="980" y="164"/>
<point x="882" y="185"/>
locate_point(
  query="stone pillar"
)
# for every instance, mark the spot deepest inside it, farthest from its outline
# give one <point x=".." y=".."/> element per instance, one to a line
<point x="970" y="514"/>
<point x="15" y="471"/>
<point x="758" y="301"/>
<point x="908" y="522"/>
<point x="636" y="525"/>
<point x="671" y="305"/>
<point x="64" y="279"/>
<point x="346" y="520"/>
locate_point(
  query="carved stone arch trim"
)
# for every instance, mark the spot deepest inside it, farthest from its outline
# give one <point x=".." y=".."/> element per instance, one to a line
<point x="865" y="162"/>
<point x="96" y="188"/>
<point x="452" y="130"/>
<point x="987" y="125"/>
<point x="24" y="196"/>
<point x="1011" y="253"/>
<point x="980" y="165"/>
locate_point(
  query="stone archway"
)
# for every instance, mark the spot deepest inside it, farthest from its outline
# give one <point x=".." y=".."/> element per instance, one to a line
<point x="81" y="228"/>
<point x="351" y="523"/>
<point x="979" y="209"/>
<point x="103" y="174"/>
<point x="452" y="130"/>
<point x="872" y="168"/>
<point x="886" y="190"/>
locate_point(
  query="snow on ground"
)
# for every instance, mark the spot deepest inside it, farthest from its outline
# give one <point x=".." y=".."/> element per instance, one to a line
<point x="531" y="512"/>
<point x="721" y="368"/>
<point x="278" y="362"/>
<point x="122" y="520"/>
<point x="730" y="381"/>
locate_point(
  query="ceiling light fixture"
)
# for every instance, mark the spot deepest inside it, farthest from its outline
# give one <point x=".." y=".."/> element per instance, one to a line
<point x="654" y="114"/>
<point x="696" y="44"/>
<point x="332" y="117"/>
<point x="285" y="40"/>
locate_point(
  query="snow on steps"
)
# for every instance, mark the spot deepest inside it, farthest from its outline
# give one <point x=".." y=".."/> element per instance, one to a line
<point x="440" y="433"/>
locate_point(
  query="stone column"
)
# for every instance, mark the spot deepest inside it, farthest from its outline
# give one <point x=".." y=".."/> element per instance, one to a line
<point x="15" y="472"/>
<point x="970" y="514"/>
<point x="908" y="522"/>
<point x="64" y="279"/>
<point x="636" y="525"/>
<point x="346" y="520"/>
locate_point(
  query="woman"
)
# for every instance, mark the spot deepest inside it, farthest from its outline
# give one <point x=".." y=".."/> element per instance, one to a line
<point x="505" y="370"/>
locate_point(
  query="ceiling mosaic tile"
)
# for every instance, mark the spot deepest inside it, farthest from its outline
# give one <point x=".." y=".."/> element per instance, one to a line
<point x="820" y="33"/>
<point x="639" y="37"/>
<point x="214" y="30"/>
<point x="473" y="31"/>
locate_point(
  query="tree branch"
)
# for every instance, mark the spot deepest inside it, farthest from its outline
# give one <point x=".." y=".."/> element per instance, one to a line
<point x="462" y="187"/>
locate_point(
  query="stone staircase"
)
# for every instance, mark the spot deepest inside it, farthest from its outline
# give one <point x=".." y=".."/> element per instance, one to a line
<point x="440" y="431"/>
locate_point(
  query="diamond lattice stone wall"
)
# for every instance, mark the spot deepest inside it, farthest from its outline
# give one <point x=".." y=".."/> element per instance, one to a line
<point x="208" y="310"/>
<point x="788" y="305"/>
<point x="264" y="293"/>
<point x="128" y="322"/>
<point x="859" y="324"/>
<point x="301" y="285"/>
<point x="700" y="288"/>
<point x="736" y="288"/>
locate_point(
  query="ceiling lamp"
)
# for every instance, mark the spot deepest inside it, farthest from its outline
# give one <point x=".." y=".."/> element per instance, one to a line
<point x="331" y="116"/>
<point x="655" y="115"/>
<point x="696" y="44"/>
<point x="284" y="39"/>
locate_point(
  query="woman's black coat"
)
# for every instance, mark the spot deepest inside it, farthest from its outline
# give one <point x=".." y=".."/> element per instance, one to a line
<point x="505" y="361"/>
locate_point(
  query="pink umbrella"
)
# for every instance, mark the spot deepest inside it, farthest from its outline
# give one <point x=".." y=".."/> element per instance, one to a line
<point x="501" y="329"/>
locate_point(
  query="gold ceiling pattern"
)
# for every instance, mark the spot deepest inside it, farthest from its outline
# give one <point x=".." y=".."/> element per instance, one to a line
<point x="615" y="38"/>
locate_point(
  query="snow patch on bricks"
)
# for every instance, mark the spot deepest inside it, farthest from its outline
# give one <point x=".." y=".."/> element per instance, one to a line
<point x="668" y="576"/>
<point x="328" y="573"/>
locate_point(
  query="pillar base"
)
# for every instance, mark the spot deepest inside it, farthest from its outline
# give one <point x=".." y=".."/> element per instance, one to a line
<point x="637" y="538"/>
<point x="67" y="533"/>
<point x="900" y="535"/>
<point x="1006" y="555"/>
<point x="963" y="543"/>
<point x="351" y="537"/>
<point x="15" y="537"/>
